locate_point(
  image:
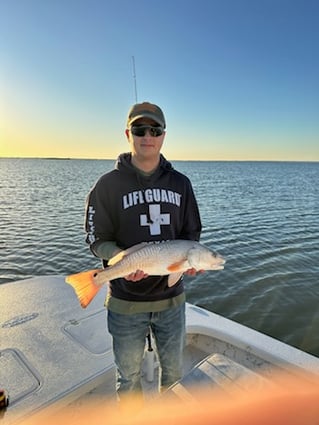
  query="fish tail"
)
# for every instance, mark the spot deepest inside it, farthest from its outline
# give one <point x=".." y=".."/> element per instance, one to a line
<point x="84" y="286"/>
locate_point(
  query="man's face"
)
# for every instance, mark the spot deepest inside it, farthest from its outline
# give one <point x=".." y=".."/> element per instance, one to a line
<point x="145" y="138"/>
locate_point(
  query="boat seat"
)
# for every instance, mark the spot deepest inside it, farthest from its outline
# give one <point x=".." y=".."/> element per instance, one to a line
<point x="216" y="371"/>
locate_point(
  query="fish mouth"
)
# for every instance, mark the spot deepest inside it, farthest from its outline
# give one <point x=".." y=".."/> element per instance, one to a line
<point x="220" y="264"/>
<point x="219" y="267"/>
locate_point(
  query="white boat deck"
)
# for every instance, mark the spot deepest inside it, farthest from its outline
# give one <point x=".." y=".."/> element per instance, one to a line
<point x="216" y="371"/>
<point x="51" y="350"/>
<point x="49" y="345"/>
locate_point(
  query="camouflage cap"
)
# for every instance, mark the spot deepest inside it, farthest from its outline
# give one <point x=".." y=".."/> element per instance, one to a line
<point x="146" y="110"/>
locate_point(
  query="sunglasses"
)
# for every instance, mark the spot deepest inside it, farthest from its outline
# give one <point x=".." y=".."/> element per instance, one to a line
<point x="140" y="130"/>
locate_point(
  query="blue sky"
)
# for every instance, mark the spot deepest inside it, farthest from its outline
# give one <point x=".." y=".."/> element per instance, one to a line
<point x="237" y="79"/>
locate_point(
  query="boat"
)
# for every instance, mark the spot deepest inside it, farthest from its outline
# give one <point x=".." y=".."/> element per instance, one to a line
<point x="54" y="354"/>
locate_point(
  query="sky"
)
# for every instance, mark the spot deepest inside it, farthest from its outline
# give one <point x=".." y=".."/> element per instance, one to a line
<point x="236" y="79"/>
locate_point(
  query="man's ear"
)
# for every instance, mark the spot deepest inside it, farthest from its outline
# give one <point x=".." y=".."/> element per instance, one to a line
<point x="127" y="132"/>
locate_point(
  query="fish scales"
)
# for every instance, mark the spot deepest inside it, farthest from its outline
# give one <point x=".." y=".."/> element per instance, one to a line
<point x="153" y="258"/>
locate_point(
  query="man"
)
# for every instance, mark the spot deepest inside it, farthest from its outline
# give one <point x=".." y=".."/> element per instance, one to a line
<point x="143" y="199"/>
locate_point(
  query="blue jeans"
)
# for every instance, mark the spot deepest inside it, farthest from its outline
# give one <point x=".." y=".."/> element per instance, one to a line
<point x="129" y="333"/>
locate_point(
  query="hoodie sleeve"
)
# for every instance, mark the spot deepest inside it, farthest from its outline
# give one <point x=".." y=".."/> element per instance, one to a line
<point x="192" y="225"/>
<point x="99" y="225"/>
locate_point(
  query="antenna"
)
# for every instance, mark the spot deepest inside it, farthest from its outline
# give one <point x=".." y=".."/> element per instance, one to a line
<point x="134" y="78"/>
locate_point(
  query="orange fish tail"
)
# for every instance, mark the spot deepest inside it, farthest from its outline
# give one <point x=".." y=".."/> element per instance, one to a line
<point x="84" y="286"/>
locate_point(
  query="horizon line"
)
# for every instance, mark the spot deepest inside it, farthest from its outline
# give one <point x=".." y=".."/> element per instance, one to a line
<point x="171" y="160"/>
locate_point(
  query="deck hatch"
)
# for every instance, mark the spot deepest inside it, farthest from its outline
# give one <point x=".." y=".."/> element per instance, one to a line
<point x="16" y="375"/>
<point x="87" y="333"/>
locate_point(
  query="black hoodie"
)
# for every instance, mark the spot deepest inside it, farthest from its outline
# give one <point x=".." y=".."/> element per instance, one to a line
<point x="126" y="207"/>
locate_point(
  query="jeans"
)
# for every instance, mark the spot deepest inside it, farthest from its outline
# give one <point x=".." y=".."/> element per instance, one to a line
<point x="129" y="333"/>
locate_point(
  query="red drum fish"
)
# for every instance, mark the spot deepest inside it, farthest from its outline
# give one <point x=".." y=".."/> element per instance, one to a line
<point x="171" y="258"/>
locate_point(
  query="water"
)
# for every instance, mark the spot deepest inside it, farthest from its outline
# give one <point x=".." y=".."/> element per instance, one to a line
<point x="262" y="216"/>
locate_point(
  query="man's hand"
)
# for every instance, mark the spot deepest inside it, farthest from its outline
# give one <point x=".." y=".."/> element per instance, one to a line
<point x="193" y="272"/>
<point x="139" y="274"/>
<point x="136" y="276"/>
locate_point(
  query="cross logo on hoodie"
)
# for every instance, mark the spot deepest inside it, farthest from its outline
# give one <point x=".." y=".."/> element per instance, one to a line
<point x="154" y="219"/>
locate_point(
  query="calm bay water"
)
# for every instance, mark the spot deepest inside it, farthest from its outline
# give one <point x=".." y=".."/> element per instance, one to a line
<point x="262" y="216"/>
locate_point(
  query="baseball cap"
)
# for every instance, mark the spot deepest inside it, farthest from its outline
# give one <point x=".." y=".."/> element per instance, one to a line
<point x="146" y="110"/>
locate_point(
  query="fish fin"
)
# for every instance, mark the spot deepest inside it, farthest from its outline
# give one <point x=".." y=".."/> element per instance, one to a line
<point x="84" y="286"/>
<point x="118" y="257"/>
<point x="174" y="278"/>
<point x="178" y="266"/>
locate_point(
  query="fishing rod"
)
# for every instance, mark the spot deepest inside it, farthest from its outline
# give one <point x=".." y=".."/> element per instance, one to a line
<point x="134" y="78"/>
